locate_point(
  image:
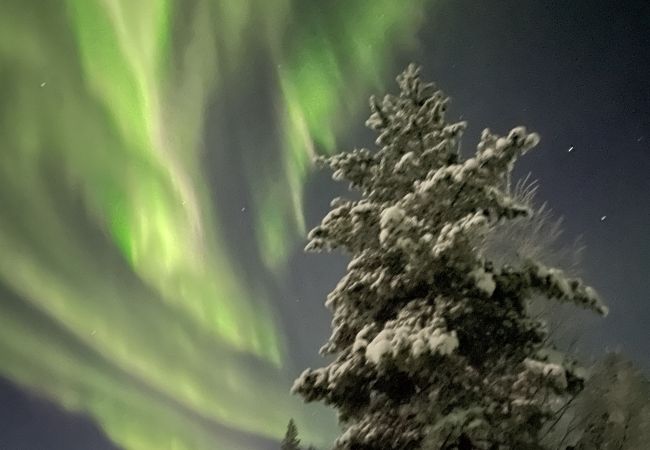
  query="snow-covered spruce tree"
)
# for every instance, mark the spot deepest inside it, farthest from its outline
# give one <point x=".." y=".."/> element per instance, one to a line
<point x="290" y="441"/>
<point x="433" y="346"/>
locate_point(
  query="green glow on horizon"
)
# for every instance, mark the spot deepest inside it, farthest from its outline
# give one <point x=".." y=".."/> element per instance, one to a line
<point x="122" y="301"/>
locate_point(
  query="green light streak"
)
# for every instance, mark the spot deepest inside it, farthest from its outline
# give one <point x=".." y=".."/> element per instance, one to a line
<point x="154" y="213"/>
<point x="122" y="301"/>
<point x="333" y="59"/>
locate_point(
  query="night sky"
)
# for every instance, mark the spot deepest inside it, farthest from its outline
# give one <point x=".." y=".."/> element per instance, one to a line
<point x="578" y="73"/>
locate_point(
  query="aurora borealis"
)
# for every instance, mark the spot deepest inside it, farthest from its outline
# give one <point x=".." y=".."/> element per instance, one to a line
<point x="153" y="157"/>
<point x="120" y="298"/>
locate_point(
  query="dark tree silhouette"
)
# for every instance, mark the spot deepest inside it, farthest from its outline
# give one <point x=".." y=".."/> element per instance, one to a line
<point x="291" y="441"/>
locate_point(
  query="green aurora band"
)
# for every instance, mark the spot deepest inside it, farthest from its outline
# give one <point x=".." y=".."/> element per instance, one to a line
<point x="117" y="296"/>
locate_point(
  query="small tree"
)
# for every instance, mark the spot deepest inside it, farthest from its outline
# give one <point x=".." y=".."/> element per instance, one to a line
<point x="434" y="346"/>
<point x="291" y="441"/>
<point x="613" y="411"/>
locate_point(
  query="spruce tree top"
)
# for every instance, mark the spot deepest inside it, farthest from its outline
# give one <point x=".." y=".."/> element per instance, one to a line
<point x="432" y="342"/>
<point x="290" y="441"/>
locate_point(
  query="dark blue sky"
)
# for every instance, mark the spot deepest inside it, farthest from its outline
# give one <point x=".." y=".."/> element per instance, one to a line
<point x="577" y="72"/>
